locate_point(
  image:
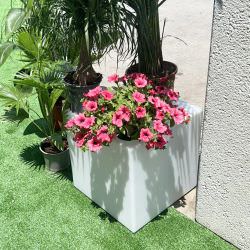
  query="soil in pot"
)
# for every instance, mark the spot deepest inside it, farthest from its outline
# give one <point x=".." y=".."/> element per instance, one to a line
<point x="69" y="79"/>
<point x="167" y="77"/>
<point x="49" y="148"/>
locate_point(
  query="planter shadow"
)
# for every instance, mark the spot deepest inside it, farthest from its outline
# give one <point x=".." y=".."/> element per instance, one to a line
<point x="161" y="215"/>
<point x="33" y="157"/>
<point x="103" y="214"/>
<point x="65" y="174"/>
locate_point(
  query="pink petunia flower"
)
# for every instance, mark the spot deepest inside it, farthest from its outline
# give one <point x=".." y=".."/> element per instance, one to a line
<point x="161" y="90"/>
<point x="102" y="134"/>
<point x="113" y="78"/>
<point x="152" y="92"/>
<point x="159" y="115"/>
<point x="141" y="82"/>
<point x="103" y="129"/>
<point x="165" y="108"/>
<point x="173" y="96"/>
<point x="88" y="122"/>
<point x="140" y="112"/>
<point x="145" y="135"/>
<point x="154" y="100"/>
<point x="79" y="120"/>
<point x="126" y="114"/>
<point x="161" y="105"/>
<point x="90" y="106"/>
<point x="123" y="78"/>
<point x="93" y="93"/>
<point x="138" y="97"/>
<point x="117" y="119"/>
<point x="137" y="75"/>
<point x="150" y="145"/>
<point x="94" y="144"/>
<point x="163" y="79"/>
<point x="169" y="132"/>
<point x="70" y="123"/>
<point x="104" y="137"/>
<point x="161" y="142"/>
<point x="79" y="139"/>
<point x="159" y="126"/>
<point x="177" y="115"/>
<point x="107" y="95"/>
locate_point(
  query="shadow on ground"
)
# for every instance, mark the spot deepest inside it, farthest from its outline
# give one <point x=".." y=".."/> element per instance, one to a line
<point x="106" y="216"/>
<point x="180" y="203"/>
<point x="161" y="215"/>
<point x="103" y="214"/>
<point x="32" y="157"/>
<point x="12" y="115"/>
<point x="65" y="174"/>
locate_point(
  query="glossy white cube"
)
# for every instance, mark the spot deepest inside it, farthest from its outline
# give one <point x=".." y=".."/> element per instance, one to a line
<point x="134" y="184"/>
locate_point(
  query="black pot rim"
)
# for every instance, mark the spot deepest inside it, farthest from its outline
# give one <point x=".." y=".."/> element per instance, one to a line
<point x="45" y="153"/>
<point x="76" y="86"/>
<point x="164" y="62"/>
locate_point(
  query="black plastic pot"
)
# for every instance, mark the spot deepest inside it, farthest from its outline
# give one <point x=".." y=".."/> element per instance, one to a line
<point x="170" y="71"/>
<point x="75" y="92"/>
<point x="56" y="162"/>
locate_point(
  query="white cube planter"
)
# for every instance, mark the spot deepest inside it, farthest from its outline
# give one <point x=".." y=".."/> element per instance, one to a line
<point x="134" y="184"/>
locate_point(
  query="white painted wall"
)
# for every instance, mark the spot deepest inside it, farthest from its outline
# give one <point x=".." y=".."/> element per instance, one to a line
<point x="223" y="203"/>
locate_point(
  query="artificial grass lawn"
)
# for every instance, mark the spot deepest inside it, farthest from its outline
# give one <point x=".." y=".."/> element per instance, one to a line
<point x="41" y="210"/>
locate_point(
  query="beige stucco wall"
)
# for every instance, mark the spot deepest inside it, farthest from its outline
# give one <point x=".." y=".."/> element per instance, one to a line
<point x="223" y="203"/>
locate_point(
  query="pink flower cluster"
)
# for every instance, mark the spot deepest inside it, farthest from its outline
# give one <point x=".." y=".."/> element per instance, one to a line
<point x="150" y="110"/>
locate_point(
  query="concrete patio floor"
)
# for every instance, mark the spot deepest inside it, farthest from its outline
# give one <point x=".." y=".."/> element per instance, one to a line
<point x="187" y="44"/>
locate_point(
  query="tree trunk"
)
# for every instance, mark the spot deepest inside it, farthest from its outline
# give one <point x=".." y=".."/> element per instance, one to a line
<point x="149" y="44"/>
<point x="85" y="73"/>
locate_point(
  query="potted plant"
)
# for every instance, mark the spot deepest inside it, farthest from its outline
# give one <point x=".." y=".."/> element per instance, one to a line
<point x="79" y="32"/>
<point x="145" y="15"/>
<point x="82" y="31"/>
<point x="43" y="78"/>
<point x="143" y="171"/>
<point x="48" y="87"/>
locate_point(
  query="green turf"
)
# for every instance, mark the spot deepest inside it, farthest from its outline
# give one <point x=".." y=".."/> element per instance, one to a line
<point x="39" y="210"/>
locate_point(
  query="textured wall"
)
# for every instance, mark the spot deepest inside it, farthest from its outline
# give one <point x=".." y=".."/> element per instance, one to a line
<point x="224" y="183"/>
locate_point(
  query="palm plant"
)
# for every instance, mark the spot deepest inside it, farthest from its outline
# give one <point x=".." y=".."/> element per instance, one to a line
<point x="80" y="30"/>
<point x="149" y="40"/>
<point x="40" y="74"/>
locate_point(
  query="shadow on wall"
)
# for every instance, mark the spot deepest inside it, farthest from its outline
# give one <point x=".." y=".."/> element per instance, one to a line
<point x="162" y="182"/>
<point x="174" y="171"/>
<point x="220" y="3"/>
<point x="108" y="183"/>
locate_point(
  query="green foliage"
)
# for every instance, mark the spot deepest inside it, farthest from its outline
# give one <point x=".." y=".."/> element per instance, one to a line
<point x="149" y="42"/>
<point x="79" y="31"/>
<point x="14" y="19"/>
<point x="39" y="74"/>
<point x="5" y="51"/>
<point x="13" y="98"/>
